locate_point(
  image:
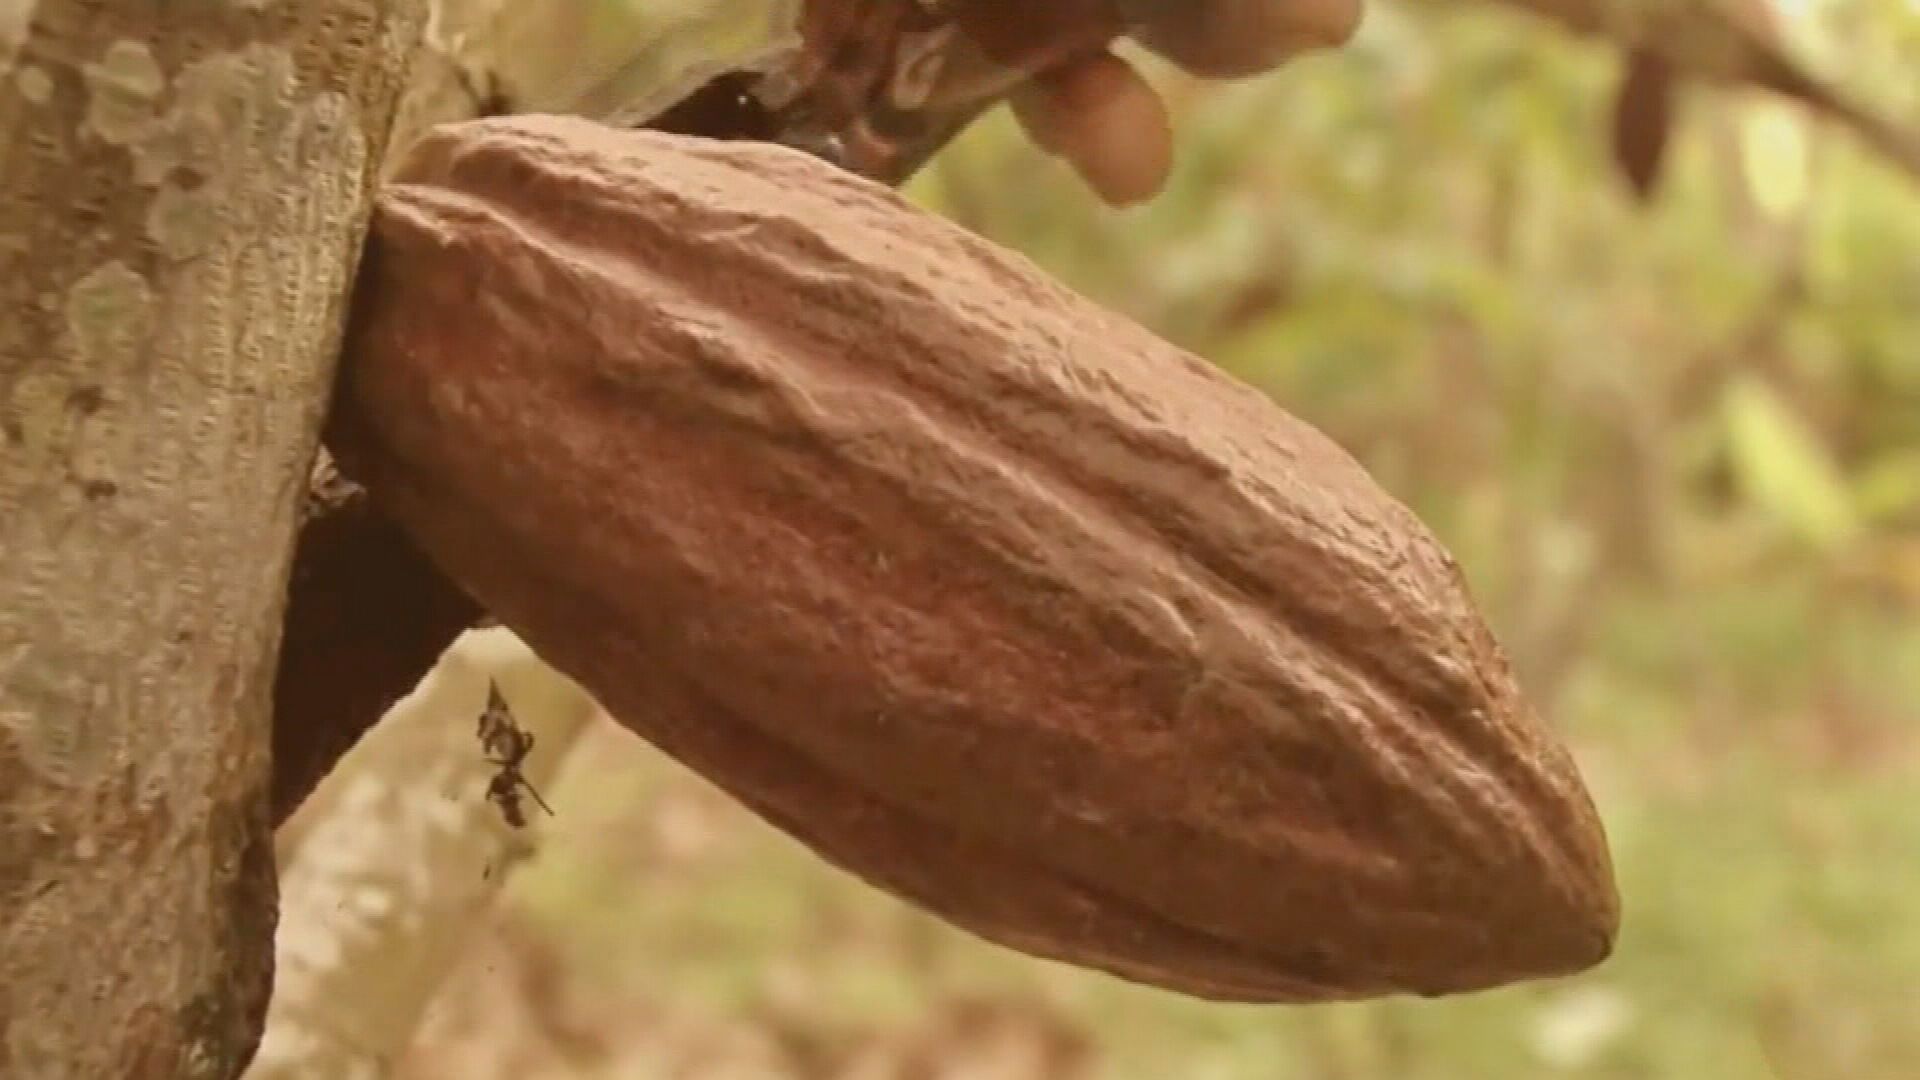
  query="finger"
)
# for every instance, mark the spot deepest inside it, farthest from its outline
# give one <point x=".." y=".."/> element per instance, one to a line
<point x="1233" y="38"/>
<point x="1034" y="36"/>
<point x="1104" y="119"/>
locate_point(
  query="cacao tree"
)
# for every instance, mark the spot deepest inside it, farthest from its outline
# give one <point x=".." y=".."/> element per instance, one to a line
<point x="185" y="192"/>
<point x="182" y="193"/>
<point x="183" y="201"/>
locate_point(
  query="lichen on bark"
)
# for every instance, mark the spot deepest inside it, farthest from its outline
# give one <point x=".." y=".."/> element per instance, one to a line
<point x="181" y="197"/>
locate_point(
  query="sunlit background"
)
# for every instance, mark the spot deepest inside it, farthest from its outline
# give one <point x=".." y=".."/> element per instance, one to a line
<point x="1677" y="450"/>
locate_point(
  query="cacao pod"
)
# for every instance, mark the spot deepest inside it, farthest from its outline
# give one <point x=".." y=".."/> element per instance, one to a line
<point x="983" y="592"/>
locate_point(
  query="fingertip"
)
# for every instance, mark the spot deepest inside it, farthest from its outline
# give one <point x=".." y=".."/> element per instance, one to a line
<point x="1100" y="114"/>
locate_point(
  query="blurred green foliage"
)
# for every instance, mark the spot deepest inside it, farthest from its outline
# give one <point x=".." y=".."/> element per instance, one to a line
<point x="1677" y="450"/>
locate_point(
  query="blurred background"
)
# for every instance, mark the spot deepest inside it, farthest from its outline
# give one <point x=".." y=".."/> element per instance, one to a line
<point x="1676" y="448"/>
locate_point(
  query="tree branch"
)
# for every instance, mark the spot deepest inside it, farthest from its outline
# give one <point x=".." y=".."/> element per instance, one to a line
<point x="367" y="616"/>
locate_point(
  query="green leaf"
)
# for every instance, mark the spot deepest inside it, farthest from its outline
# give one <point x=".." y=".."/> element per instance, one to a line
<point x="1889" y="489"/>
<point x="1783" y="468"/>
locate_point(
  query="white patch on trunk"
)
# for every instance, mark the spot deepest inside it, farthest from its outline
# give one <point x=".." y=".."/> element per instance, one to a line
<point x="16" y="22"/>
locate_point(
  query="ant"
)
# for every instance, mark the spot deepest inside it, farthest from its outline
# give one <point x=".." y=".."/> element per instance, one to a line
<point x="506" y="745"/>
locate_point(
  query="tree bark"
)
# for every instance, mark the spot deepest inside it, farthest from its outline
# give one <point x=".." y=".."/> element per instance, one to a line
<point x="182" y="194"/>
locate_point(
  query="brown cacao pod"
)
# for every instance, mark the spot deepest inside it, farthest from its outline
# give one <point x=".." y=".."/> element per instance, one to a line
<point x="981" y="591"/>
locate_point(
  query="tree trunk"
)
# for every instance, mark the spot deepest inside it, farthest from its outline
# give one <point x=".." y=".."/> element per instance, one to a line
<point x="182" y="194"/>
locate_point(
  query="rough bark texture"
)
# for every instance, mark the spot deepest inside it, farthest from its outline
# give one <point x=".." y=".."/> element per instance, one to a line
<point x="182" y="194"/>
<point x="986" y="594"/>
